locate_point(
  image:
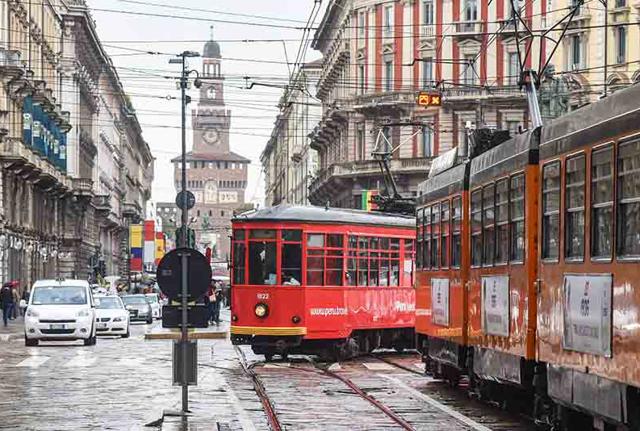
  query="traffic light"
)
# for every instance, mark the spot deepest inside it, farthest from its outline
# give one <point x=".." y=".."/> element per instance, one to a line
<point x="191" y="238"/>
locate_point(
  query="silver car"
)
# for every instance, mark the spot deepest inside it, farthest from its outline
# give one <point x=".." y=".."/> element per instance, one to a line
<point x="139" y="308"/>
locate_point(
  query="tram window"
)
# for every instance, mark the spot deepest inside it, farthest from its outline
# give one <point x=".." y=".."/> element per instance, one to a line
<point x="334" y="240"/>
<point x="629" y="199"/>
<point x="292" y="235"/>
<point x="238" y="234"/>
<point x="291" y="264"/>
<point x="419" y="230"/>
<point x="384" y="243"/>
<point x="363" y="261"/>
<point x="435" y="236"/>
<point x="551" y="210"/>
<point x="262" y="263"/>
<point x="394" y="274"/>
<point x="335" y="268"/>
<point x="374" y="265"/>
<point x="384" y="270"/>
<point x="444" y="238"/>
<point x="574" y="207"/>
<point x="352" y="262"/>
<point x="407" y="265"/>
<point x="502" y="221"/>
<point x="488" y="224"/>
<point x="394" y="244"/>
<point x="315" y="267"/>
<point x="238" y="262"/>
<point x="315" y="240"/>
<point x="456" y="244"/>
<point x="516" y="213"/>
<point x="426" y="246"/>
<point x="476" y="228"/>
<point x="262" y="234"/>
<point x="602" y="203"/>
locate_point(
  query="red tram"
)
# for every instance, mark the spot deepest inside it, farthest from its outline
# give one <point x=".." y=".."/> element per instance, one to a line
<point x="331" y="282"/>
<point x="546" y="316"/>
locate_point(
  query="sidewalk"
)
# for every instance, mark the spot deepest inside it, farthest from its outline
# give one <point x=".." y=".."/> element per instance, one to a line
<point x="14" y="331"/>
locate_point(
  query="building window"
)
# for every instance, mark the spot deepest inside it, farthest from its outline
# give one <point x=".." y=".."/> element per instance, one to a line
<point x="576" y="53"/>
<point x="469" y="70"/>
<point x="361" y="24"/>
<point x="621" y="3"/>
<point x="427" y="142"/>
<point x="361" y="78"/>
<point x="574" y="207"/>
<point x="602" y="203"/>
<point x="629" y="199"/>
<point x="222" y="213"/>
<point x="360" y="144"/>
<point x="427" y="12"/>
<point x="551" y="211"/>
<point x="387" y="144"/>
<point x="513" y="126"/>
<point x="427" y="72"/>
<point x="470" y="10"/>
<point x="388" y="19"/>
<point x="513" y="68"/>
<point x="388" y="75"/>
<point x="621" y="44"/>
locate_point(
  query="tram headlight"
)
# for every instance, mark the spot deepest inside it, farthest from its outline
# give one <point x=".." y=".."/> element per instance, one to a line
<point x="295" y="319"/>
<point x="261" y="310"/>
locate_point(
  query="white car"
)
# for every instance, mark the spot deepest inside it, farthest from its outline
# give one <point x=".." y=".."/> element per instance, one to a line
<point x="60" y="310"/>
<point x="111" y="316"/>
<point x="156" y="306"/>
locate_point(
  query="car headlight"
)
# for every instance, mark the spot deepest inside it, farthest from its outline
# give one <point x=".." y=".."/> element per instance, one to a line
<point x="261" y="310"/>
<point x="32" y="313"/>
<point x="128" y="307"/>
<point x="83" y="313"/>
<point x="118" y="319"/>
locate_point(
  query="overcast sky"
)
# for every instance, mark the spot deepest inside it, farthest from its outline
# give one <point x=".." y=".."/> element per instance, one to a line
<point x="125" y="26"/>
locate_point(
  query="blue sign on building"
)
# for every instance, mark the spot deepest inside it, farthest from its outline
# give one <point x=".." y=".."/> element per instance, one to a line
<point x="41" y="132"/>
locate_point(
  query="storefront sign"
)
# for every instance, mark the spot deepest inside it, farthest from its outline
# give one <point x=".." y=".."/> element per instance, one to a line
<point x="495" y="305"/>
<point x="440" y="301"/>
<point x="587" y="313"/>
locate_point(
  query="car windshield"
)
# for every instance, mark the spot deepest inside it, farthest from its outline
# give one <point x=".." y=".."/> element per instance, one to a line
<point x="59" y="295"/>
<point x="134" y="299"/>
<point x="152" y="298"/>
<point x="109" y="303"/>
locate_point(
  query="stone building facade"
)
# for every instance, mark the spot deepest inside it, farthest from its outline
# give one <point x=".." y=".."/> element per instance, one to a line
<point x="379" y="54"/>
<point x="288" y="161"/>
<point x="62" y="191"/>
<point x="215" y="175"/>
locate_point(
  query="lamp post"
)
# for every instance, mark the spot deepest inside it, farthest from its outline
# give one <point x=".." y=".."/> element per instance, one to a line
<point x="182" y="59"/>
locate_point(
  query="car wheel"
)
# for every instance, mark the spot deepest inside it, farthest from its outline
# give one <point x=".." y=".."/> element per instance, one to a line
<point x="127" y="334"/>
<point x="30" y="342"/>
<point x="149" y="320"/>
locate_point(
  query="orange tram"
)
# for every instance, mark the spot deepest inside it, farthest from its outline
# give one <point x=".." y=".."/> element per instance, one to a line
<point x="330" y="282"/>
<point x="527" y="255"/>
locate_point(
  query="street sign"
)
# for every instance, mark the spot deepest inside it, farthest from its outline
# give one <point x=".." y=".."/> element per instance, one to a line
<point x="191" y="365"/>
<point x="169" y="274"/>
<point x="197" y="316"/>
<point x="427" y="98"/>
<point x="191" y="199"/>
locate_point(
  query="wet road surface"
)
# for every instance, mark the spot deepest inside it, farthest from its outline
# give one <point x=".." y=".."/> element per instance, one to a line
<point x="123" y="384"/>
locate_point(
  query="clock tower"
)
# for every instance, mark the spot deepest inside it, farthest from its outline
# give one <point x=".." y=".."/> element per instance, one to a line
<point x="211" y="120"/>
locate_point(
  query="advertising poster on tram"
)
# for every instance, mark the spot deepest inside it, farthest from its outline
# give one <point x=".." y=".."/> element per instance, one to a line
<point x="587" y="313"/>
<point x="495" y="305"/>
<point x="440" y="301"/>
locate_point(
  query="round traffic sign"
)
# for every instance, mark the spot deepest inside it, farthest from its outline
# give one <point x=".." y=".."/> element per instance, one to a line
<point x="191" y="199"/>
<point x="169" y="274"/>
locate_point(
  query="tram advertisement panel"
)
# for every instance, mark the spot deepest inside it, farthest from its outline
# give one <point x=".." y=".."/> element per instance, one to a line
<point x="495" y="305"/>
<point x="440" y="301"/>
<point x="587" y="313"/>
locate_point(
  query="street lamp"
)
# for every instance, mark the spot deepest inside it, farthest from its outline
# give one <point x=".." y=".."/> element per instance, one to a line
<point x="184" y="76"/>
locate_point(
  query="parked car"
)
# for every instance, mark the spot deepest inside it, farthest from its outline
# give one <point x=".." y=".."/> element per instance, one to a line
<point x="139" y="308"/>
<point x="60" y="310"/>
<point x="112" y="318"/>
<point x="156" y="305"/>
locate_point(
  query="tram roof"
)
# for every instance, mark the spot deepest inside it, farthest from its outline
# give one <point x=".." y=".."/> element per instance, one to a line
<point x="314" y="214"/>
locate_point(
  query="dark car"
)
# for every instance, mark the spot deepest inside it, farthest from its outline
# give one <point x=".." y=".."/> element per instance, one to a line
<point x="139" y="308"/>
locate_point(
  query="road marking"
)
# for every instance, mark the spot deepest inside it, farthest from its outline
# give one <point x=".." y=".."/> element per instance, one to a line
<point x="334" y="367"/>
<point x="446" y="409"/>
<point x="81" y="360"/>
<point x="377" y="366"/>
<point x="33" y="361"/>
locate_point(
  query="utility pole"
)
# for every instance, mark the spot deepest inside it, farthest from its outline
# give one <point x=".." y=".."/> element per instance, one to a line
<point x="184" y="76"/>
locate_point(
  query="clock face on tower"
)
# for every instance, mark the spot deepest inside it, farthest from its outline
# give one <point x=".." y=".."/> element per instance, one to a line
<point x="211" y="93"/>
<point x="211" y="136"/>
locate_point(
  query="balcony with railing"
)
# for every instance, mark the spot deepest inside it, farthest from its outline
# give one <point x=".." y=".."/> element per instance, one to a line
<point x="427" y="31"/>
<point x="102" y="204"/>
<point x="468" y="29"/>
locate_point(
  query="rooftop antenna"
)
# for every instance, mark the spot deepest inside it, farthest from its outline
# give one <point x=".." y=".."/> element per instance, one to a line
<point x="211" y="32"/>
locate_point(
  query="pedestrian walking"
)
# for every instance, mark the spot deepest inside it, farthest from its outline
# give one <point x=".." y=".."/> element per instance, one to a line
<point x="6" y="298"/>
<point x="16" y="299"/>
<point x="216" y="301"/>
